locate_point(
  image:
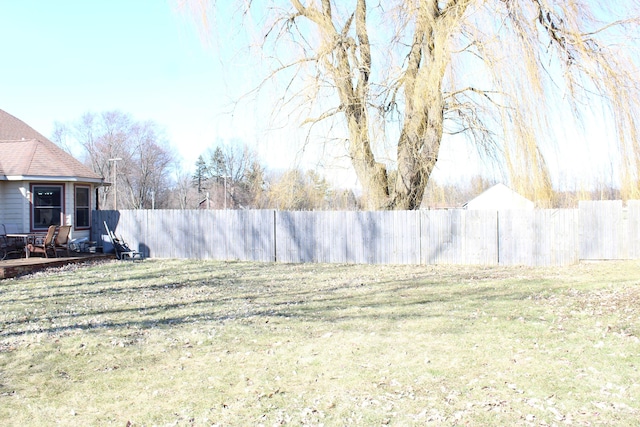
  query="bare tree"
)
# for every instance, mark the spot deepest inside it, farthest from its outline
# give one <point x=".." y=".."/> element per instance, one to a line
<point x="496" y="71"/>
<point x="255" y="185"/>
<point x="149" y="175"/>
<point x="230" y="173"/>
<point x="297" y="190"/>
<point x="145" y="160"/>
<point x="184" y="194"/>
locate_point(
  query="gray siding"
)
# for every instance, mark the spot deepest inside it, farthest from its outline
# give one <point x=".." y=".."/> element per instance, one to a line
<point x="15" y="204"/>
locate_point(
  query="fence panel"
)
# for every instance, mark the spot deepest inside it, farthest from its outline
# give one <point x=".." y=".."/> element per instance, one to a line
<point x="558" y="232"/>
<point x="291" y="243"/>
<point x="348" y="237"/>
<point x="601" y="230"/>
<point x="405" y="239"/>
<point x="543" y="237"/>
<point x="391" y="237"/>
<point x="459" y="237"/>
<point x="515" y="237"/>
<point x="442" y="237"/>
<point x="597" y="230"/>
<point x="481" y="237"/>
<point x="633" y="229"/>
<point x="195" y="234"/>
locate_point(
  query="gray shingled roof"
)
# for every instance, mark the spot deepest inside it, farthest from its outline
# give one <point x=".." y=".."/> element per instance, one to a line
<point x="26" y="152"/>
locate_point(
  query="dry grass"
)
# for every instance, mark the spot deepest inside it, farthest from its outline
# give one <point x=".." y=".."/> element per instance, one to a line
<point x="212" y="343"/>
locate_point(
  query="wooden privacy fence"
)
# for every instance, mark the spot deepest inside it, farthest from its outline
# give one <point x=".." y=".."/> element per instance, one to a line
<point x="545" y="237"/>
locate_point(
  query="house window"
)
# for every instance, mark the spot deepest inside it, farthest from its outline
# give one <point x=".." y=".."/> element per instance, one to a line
<point x="47" y="206"/>
<point x="83" y="207"/>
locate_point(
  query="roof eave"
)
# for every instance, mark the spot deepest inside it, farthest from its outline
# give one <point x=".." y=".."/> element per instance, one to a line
<point x="41" y="178"/>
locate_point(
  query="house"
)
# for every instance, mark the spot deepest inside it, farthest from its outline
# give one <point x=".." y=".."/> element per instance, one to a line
<point x="499" y="197"/>
<point x="41" y="184"/>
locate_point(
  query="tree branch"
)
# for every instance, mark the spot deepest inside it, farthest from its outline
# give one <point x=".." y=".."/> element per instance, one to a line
<point x="323" y="116"/>
<point x="365" y="48"/>
<point x="484" y="93"/>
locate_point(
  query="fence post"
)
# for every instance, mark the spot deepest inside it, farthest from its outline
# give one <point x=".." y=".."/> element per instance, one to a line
<point x="498" y="237"/>
<point x="275" y="237"/>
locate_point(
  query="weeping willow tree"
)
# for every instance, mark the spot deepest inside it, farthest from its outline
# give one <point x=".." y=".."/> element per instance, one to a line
<point x="411" y="72"/>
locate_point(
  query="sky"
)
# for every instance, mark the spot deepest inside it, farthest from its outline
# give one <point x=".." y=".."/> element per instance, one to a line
<point x="64" y="58"/>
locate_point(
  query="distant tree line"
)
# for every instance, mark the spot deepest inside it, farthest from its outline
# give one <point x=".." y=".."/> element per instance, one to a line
<point x="137" y="160"/>
<point x="230" y="175"/>
<point x="137" y="157"/>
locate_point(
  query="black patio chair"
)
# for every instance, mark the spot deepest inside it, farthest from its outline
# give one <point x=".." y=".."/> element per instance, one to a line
<point x="9" y="246"/>
<point x="123" y="251"/>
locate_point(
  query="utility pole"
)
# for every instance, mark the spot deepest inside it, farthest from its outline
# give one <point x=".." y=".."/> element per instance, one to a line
<point x="115" y="181"/>
<point x="225" y="177"/>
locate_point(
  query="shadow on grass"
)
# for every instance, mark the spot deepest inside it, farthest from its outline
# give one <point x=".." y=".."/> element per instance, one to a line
<point x="159" y="296"/>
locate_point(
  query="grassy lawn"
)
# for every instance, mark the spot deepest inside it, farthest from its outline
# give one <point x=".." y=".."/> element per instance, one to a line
<point x="246" y="344"/>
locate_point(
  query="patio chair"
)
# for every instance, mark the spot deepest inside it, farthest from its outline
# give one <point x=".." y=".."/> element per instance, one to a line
<point x="122" y="249"/>
<point x="4" y="243"/>
<point x="61" y="242"/>
<point x="9" y="245"/>
<point x="10" y="228"/>
<point x="3" y="247"/>
<point x="43" y="246"/>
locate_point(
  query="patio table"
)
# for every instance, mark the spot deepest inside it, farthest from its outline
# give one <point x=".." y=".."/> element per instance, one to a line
<point x="26" y="237"/>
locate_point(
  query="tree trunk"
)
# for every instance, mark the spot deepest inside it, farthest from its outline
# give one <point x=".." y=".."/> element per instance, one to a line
<point x="421" y="134"/>
<point x="414" y="170"/>
<point x="371" y="174"/>
<point x="348" y="62"/>
<point x="418" y="149"/>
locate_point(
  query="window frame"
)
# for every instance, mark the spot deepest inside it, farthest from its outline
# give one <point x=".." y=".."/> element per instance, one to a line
<point x="34" y="189"/>
<point x="76" y="206"/>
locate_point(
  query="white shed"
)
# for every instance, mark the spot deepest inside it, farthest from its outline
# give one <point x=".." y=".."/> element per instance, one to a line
<point x="499" y="197"/>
